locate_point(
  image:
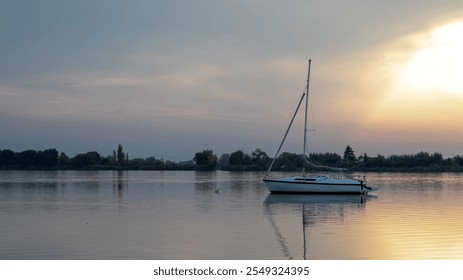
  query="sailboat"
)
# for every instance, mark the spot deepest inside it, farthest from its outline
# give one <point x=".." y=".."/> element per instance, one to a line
<point x="311" y="183"/>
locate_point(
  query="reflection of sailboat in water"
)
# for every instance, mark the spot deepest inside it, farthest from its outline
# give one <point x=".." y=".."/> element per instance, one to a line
<point x="313" y="208"/>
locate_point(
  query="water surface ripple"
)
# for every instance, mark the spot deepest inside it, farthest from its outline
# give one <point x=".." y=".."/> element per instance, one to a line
<point x="223" y="215"/>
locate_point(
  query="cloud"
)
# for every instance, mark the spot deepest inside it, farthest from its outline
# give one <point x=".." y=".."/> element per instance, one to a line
<point x="171" y="70"/>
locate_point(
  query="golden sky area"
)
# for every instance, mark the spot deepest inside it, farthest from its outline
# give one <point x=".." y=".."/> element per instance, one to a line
<point x="414" y="92"/>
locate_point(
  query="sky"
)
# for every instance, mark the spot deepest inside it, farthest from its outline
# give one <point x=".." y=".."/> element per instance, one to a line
<point x="172" y="78"/>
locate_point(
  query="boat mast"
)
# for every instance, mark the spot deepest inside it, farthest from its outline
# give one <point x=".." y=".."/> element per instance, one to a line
<point x="305" y="118"/>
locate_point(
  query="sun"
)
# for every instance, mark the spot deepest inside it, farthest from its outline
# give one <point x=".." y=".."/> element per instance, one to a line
<point x="437" y="66"/>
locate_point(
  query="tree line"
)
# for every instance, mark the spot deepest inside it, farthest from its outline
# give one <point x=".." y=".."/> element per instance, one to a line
<point x="239" y="160"/>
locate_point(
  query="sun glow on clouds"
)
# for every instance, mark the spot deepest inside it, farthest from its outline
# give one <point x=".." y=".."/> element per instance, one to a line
<point x="420" y="104"/>
<point x="438" y="65"/>
<point x="427" y="65"/>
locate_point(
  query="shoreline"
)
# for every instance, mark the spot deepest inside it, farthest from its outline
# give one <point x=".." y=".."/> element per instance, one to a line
<point x="419" y="169"/>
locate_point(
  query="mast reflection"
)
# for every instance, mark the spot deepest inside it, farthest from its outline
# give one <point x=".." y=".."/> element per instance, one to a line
<point x="311" y="209"/>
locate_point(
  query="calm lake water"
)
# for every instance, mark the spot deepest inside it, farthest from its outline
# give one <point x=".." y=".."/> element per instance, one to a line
<point x="222" y="215"/>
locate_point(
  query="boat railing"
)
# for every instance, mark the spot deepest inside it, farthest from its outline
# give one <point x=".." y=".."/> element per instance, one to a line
<point x="344" y="175"/>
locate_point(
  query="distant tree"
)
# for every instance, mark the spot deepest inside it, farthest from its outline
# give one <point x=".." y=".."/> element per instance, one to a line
<point x="158" y="163"/>
<point x="6" y="157"/>
<point x="150" y="163"/>
<point x="237" y="158"/>
<point x="458" y="160"/>
<point x="87" y="159"/>
<point x="106" y="160"/>
<point x="201" y="158"/>
<point x="47" y="158"/>
<point x="27" y="158"/>
<point x="63" y="159"/>
<point x="206" y="159"/>
<point x="363" y="158"/>
<point x="349" y="155"/>
<point x="436" y="159"/>
<point x="328" y="159"/>
<point x="119" y="156"/>
<point x="288" y="161"/>
<point x="223" y="162"/>
<point x="260" y="158"/>
<point x="378" y="161"/>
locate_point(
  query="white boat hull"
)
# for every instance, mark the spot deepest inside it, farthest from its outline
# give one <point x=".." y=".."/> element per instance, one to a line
<point x="319" y="184"/>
